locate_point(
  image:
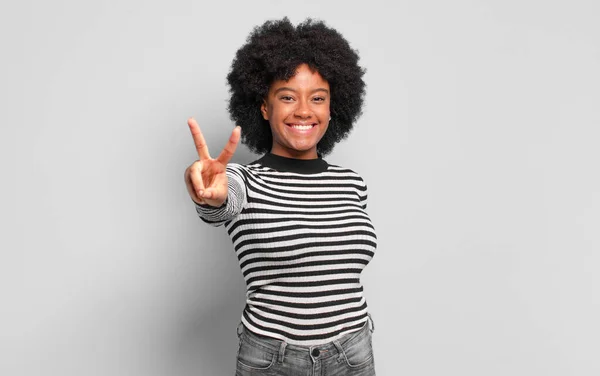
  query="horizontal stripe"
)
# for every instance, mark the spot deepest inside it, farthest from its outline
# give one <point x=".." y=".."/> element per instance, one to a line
<point x="311" y="294"/>
<point x="310" y="273"/>
<point x="294" y="247"/>
<point x="279" y="266"/>
<point x="306" y="255"/>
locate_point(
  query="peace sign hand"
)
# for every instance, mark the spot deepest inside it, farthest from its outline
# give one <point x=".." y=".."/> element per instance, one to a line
<point x="206" y="179"/>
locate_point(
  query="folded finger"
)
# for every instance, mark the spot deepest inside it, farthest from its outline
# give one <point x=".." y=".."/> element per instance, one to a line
<point x="196" y="178"/>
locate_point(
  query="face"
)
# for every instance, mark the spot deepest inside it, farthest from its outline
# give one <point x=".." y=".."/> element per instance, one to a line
<point x="298" y="112"/>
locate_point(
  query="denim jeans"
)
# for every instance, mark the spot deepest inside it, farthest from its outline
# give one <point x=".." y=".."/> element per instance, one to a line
<point x="350" y="355"/>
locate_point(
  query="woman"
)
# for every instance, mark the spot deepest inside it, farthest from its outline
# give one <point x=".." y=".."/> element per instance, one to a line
<point x="298" y="224"/>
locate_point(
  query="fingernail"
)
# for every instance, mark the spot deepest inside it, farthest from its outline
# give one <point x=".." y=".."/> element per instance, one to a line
<point x="200" y="193"/>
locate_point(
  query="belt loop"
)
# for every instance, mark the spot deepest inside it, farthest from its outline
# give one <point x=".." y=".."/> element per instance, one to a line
<point x="240" y="326"/>
<point x="282" y="351"/>
<point x="340" y="351"/>
<point x="372" y="322"/>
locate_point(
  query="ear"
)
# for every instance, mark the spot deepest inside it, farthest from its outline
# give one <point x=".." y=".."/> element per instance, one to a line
<point x="263" y="110"/>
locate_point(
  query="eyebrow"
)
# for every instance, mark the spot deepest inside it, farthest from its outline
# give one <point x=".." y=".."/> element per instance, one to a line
<point x="290" y="89"/>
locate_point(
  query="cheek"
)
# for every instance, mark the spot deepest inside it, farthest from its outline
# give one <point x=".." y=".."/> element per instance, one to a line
<point x="280" y="113"/>
<point x="325" y="112"/>
<point x="277" y="111"/>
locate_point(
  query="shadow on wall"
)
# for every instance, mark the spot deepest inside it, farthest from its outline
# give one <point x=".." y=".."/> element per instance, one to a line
<point x="204" y="340"/>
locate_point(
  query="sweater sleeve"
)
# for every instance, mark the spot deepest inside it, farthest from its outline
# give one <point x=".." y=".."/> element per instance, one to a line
<point x="235" y="202"/>
<point x="362" y="192"/>
<point x="363" y="198"/>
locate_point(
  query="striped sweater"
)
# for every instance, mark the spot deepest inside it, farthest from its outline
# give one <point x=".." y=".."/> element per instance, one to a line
<point x="302" y="238"/>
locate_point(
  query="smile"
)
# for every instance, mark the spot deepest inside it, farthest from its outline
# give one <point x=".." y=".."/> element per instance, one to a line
<point x="301" y="127"/>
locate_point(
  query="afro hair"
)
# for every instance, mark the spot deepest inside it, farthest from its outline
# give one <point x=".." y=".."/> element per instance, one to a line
<point x="272" y="52"/>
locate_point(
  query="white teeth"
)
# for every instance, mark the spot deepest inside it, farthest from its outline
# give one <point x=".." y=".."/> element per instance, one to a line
<point x="302" y="127"/>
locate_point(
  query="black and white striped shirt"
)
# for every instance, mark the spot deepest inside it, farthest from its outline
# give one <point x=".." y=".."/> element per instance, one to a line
<point x="302" y="238"/>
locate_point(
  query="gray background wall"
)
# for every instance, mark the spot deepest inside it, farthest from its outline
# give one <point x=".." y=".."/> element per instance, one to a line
<point x="479" y="143"/>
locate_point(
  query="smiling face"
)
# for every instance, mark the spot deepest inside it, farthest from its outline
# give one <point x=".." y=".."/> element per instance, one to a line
<point x="298" y="113"/>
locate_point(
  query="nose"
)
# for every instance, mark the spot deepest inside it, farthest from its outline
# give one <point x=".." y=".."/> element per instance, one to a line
<point x="302" y="110"/>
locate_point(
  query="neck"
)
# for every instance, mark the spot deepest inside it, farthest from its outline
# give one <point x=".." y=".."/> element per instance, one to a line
<point x="296" y="154"/>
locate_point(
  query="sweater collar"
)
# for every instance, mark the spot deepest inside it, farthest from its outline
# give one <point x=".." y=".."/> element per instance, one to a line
<point x="301" y="166"/>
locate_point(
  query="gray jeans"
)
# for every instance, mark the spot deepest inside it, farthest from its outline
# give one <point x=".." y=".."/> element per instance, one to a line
<point x="350" y="355"/>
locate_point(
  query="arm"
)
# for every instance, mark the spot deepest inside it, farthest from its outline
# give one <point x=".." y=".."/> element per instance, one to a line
<point x="362" y="192"/>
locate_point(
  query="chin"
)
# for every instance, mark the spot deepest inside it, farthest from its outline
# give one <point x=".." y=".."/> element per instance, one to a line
<point x="302" y="148"/>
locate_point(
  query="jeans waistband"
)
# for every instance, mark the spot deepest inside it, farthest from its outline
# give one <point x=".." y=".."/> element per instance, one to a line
<point x="322" y="351"/>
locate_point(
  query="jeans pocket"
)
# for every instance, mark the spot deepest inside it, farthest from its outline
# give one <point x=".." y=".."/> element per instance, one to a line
<point x="255" y="358"/>
<point x="359" y="353"/>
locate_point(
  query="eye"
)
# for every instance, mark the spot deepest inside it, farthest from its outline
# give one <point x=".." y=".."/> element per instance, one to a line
<point x="319" y="99"/>
<point x="286" y="98"/>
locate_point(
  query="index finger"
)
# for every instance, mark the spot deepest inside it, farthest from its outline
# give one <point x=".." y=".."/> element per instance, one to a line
<point x="199" y="141"/>
<point x="229" y="149"/>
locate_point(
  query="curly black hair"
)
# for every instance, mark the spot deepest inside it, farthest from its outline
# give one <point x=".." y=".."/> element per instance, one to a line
<point x="272" y="52"/>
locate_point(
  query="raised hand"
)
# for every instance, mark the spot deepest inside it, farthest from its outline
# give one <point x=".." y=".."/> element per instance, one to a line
<point x="205" y="179"/>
